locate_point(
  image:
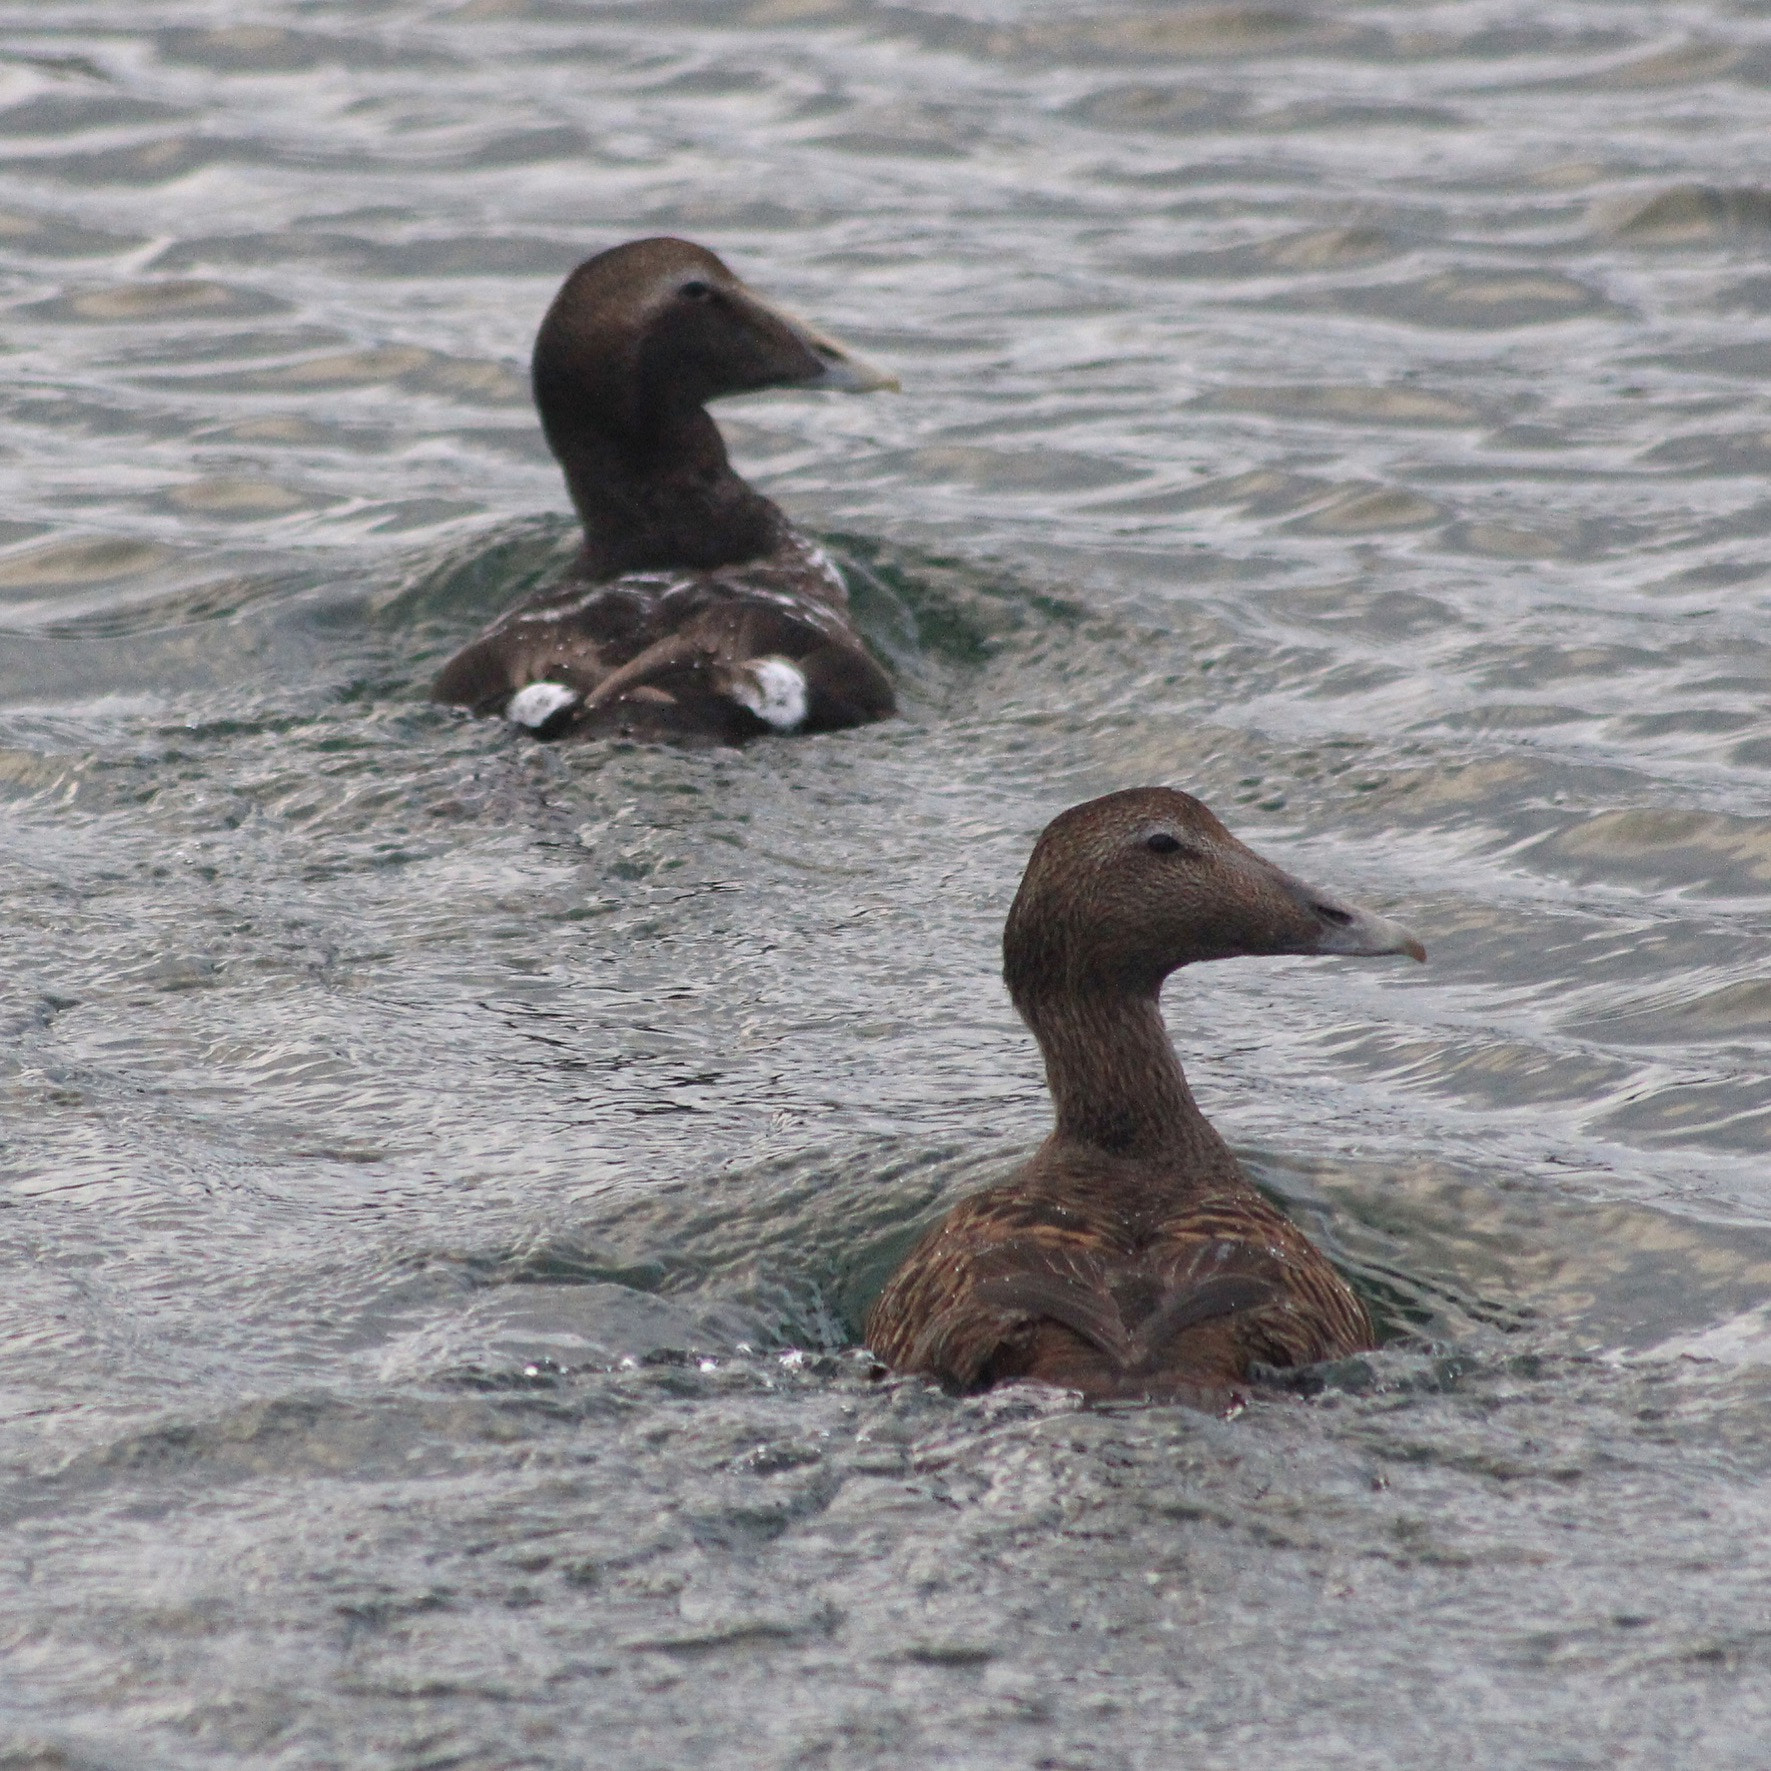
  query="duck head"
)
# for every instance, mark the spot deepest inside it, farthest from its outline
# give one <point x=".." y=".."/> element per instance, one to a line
<point x="644" y="335"/>
<point x="1123" y="890"/>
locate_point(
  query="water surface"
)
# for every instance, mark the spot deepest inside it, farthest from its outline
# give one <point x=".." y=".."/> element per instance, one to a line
<point x="443" y="1176"/>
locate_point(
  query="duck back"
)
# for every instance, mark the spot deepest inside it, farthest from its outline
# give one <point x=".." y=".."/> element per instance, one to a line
<point x="1116" y="1284"/>
<point x="722" y="655"/>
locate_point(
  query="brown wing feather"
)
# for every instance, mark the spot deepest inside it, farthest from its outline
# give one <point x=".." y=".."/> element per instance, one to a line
<point x="1013" y="1283"/>
<point x="659" y="653"/>
<point x="1020" y="1284"/>
<point x="1205" y="1300"/>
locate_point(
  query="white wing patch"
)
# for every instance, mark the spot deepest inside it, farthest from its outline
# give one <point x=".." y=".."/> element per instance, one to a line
<point x="536" y="705"/>
<point x="774" y="690"/>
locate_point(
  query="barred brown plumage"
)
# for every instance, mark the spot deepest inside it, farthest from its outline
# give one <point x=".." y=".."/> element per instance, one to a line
<point x="1130" y="1256"/>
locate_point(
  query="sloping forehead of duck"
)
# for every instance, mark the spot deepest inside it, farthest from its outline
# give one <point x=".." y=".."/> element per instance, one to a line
<point x="647" y="273"/>
<point x="1136" y="815"/>
<point x="1194" y="825"/>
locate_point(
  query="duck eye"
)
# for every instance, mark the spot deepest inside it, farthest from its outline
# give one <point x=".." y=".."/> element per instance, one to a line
<point x="696" y="291"/>
<point x="1162" y="843"/>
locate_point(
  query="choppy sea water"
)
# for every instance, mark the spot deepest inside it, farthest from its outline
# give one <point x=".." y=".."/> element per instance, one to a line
<point x="443" y="1176"/>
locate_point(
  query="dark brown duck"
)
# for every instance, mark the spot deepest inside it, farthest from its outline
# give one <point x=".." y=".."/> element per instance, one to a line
<point x="1130" y="1257"/>
<point x="695" y="609"/>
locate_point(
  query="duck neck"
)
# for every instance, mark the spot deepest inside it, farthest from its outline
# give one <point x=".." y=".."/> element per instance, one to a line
<point x="1115" y="1080"/>
<point x="661" y="498"/>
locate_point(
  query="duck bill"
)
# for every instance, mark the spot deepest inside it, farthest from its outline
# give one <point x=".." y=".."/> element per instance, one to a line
<point x="842" y="370"/>
<point x="1349" y="930"/>
<point x="1368" y="935"/>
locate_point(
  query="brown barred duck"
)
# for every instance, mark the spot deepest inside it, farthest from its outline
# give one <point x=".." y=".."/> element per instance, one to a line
<point x="695" y="610"/>
<point x="1131" y="1257"/>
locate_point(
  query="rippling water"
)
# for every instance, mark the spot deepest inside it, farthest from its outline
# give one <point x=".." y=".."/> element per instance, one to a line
<point x="443" y="1175"/>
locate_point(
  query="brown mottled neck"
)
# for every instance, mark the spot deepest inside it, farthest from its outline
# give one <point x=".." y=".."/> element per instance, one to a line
<point x="660" y="498"/>
<point x="1116" y="1083"/>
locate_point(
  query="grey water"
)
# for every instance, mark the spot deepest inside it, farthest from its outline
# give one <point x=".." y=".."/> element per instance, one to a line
<point x="441" y="1177"/>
